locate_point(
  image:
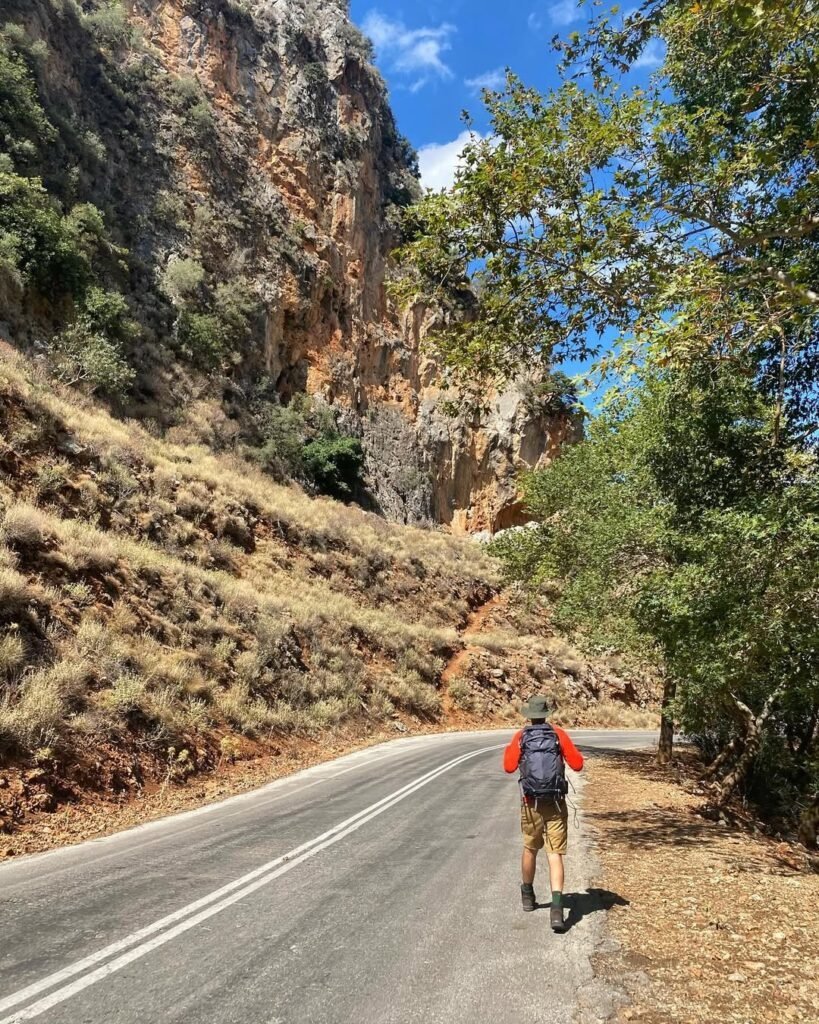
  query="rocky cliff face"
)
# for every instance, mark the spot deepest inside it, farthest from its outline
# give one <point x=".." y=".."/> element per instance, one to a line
<point x="250" y="145"/>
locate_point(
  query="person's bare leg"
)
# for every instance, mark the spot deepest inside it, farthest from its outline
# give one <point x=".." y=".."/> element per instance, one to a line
<point x="556" y="872"/>
<point x="528" y="866"/>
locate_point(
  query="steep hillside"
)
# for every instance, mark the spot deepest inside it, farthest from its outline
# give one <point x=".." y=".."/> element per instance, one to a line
<point x="221" y="183"/>
<point x="165" y="610"/>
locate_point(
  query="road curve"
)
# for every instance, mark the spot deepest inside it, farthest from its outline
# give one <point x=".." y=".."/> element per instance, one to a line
<point x="381" y="888"/>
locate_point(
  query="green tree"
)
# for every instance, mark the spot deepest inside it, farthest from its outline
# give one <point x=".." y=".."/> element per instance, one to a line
<point x="681" y="217"/>
<point x="90" y="350"/>
<point x="680" y="533"/>
<point x="42" y="248"/>
<point x="24" y="127"/>
<point x="283" y="428"/>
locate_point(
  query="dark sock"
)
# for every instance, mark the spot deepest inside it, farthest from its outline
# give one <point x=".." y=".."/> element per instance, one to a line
<point x="527" y="886"/>
<point x="557" y="898"/>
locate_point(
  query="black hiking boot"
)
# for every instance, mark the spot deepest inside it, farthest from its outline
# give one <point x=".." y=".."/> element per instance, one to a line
<point x="556" y="919"/>
<point x="527" y="896"/>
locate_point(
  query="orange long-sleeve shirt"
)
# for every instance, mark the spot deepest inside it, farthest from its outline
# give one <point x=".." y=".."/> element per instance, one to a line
<point x="571" y="755"/>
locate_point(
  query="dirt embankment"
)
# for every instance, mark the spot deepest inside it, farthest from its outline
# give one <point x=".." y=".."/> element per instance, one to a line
<point x="716" y="924"/>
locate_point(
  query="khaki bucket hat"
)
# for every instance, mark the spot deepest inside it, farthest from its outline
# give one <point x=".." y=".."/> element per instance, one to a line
<point x="537" y="707"/>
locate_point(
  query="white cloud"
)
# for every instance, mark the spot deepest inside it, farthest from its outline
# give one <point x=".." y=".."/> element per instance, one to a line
<point x="652" y="56"/>
<point x="416" y="52"/>
<point x="488" y="80"/>
<point x="535" y="21"/>
<point x="564" y="12"/>
<point x="440" y="161"/>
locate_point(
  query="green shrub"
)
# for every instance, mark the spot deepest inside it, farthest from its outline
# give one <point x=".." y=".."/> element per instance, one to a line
<point x="462" y="695"/>
<point x="357" y="43"/>
<point x="110" y="26"/>
<point x="202" y="338"/>
<point x="51" y="478"/>
<point x="200" y="118"/>
<point x="415" y="695"/>
<point x="237" y="306"/>
<point x="82" y="356"/>
<point x="300" y="441"/>
<point x="554" y="394"/>
<point x="89" y="350"/>
<point x="129" y="693"/>
<point x="169" y="208"/>
<point x="190" y="101"/>
<point x="38" y="244"/>
<point x="185" y="91"/>
<point x="333" y="464"/>
<point x="93" y="146"/>
<point x="315" y="74"/>
<point x="208" y="334"/>
<point x="281" y="453"/>
<point x="24" y="128"/>
<point x="183" y="279"/>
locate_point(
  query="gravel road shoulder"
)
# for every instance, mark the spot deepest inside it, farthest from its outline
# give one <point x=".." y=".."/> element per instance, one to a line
<point x="715" y="923"/>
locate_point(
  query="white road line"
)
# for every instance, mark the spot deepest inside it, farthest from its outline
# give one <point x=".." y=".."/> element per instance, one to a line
<point x="255" y="796"/>
<point x="237" y="889"/>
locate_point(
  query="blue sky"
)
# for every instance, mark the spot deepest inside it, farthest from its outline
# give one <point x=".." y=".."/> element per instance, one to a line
<point x="436" y="54"/>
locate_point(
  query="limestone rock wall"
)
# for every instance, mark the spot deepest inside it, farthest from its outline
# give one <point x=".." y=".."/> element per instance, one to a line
<point x="292" y="185"/>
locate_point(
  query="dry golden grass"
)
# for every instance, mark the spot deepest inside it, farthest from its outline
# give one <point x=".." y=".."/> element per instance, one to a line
<point x="25" y="526"/>
<point x="36" y="717"/>
<point x="204" y="474"/>
<point x="230" y="645"/>
<point x="12" y="655"/>
<point x="462" y="694"/>
<point x="14" y="589"/>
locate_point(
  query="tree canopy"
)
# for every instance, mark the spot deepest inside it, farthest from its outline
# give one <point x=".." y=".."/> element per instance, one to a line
<point x="670" y="230"/>
<point x="681" y="217"/>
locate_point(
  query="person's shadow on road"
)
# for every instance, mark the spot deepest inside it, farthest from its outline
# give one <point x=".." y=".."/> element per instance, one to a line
<point x="581" y="904"/>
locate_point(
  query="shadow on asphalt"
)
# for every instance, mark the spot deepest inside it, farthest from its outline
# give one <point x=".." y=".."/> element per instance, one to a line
<point x="582" y="904"/>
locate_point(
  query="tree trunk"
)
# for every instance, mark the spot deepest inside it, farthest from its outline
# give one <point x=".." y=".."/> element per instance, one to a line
<point x="809" y="823"/>
<point x="665" y="747"/>
<point x="722" y="757"/>
<point x="754" y="729"/>
<point x="731" y="782"/>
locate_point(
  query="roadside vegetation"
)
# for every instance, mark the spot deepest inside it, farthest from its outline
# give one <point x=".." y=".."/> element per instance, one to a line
<point x="681" y="221"/>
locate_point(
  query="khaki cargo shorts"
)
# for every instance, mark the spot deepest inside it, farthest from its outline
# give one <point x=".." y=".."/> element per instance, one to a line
<point x="545" y="823"/>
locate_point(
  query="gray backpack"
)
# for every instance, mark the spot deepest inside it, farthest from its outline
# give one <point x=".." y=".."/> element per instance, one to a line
<point x="542" y="771"/>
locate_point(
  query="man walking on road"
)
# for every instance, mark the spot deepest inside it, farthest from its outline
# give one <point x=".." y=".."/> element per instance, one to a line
<point x="541" y="752"/>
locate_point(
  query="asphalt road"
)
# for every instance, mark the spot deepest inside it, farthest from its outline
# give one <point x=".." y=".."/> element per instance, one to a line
<point x="381" y="888"/>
